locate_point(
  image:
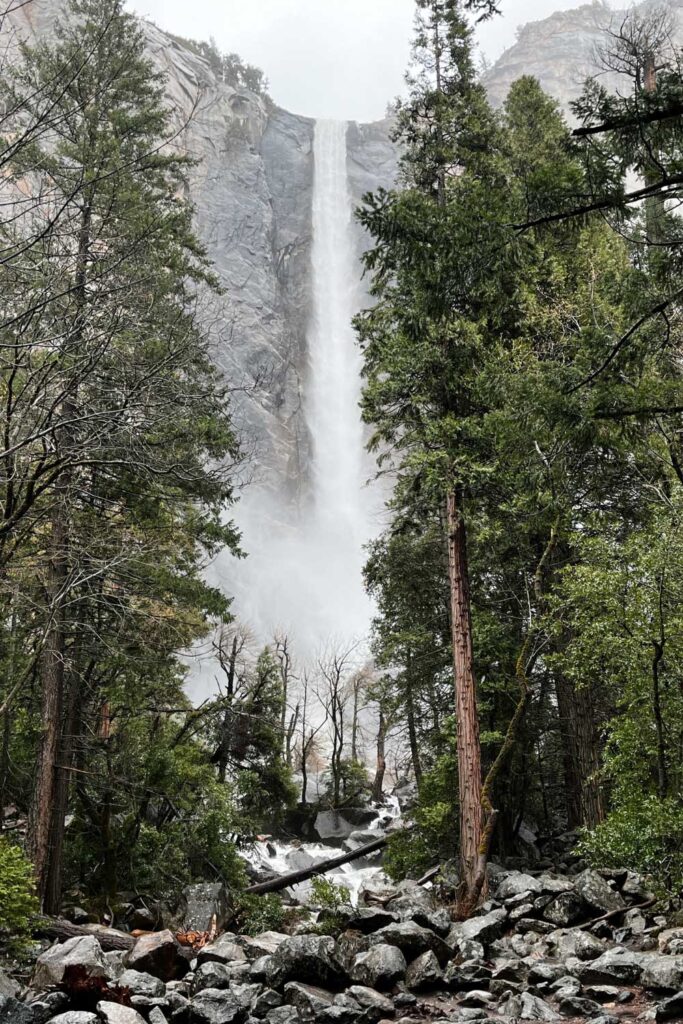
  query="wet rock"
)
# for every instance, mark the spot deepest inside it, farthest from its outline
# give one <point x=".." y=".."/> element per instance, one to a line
<point x="340" y="825"/>
<point x="412" y="940"/>
<point x="141" y="984"/>
<point x="481" y="929"/>
<point x="597" y="893"/>
<point x="618" y="964"/>
<point x="381" y="967"/>
<point x="307" y="958"/>
<point x="113" y="1013"/>
<point x="82" y="955"/>
<point x="578" y="1006"/>
<point x="157" y="954"/>
<point x="211" y="975"/>
<point x="516" y="883"/>
<point x="663" y="972"/>
<point x="216" y="1006"/>
<point x="671" y="1008"/>
<point x="424" y="972"/>
<point x="565" y="909"/>
<point x="205" y="907"/>
<point x="228" y="949"/>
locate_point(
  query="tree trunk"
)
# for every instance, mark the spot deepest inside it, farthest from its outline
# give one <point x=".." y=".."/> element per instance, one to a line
<point x="581" y="754"/>
<point x="52" y="685"/>
<point x="412" y="727"/>
<point x="53" y="890"/>
<point x="662" y="773"/>
<point x="468" y="748"/>
<point x="378" y="783"/>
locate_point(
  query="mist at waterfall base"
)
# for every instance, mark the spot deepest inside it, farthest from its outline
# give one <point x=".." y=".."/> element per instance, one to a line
<point x="303" y="577"/>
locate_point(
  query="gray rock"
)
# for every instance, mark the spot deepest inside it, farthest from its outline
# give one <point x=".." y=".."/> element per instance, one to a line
<point x="211" y="974"/>
<point x="310" y="959"/>
<point x="14" y="1012"/>
<point x="515" y="883"/>
<point x="670" y="1008"/>
<point x="82" y="954"/>
<point x="258" y="969"/>
<point x="8" y="986"/>
<point x="227" y="949"/>
<point x="283" y="1015"/>
<point x="256" y="946"/>
<point x="268" y="999"/>
<point x="205" y="907"/>
<point x="469" y="975"/>
<point x="75" y="1017"/>
<point x="597" y="893"/>
<point x="477" y="998"/>
<point x="481" y="929"/>
<point x="618" y="964"/>
<point x="157" y="954"/>
<point x="157" y="1016"/>
<point x="141" y="984"/>
<point x="371" y="919"/>
<point x="565" y="909"/>
<point x="577" y="1006"/>
<point x="113" y="1013"/>
<point x="663" y="972"/>
<point x="412" y="940"/>
<point x="667" y="937"/>
<point x="424" y="972"/>
<point x="546" y="972"/>
<point x="553" y="885"/>
<point x="369" y="999"/>
<point x="245" y="993"/>
<point x="216" y="1006"/>
<point x="575" y="943"/>
<point x="521" y="913"/>
<point x="308" y="999"/>
<point x="528" y="1007"/>
<point x="340" y="825"/>
<point x="608" y="994"/>
<point x="566" y="988"/>
<point x="381" y="967"/>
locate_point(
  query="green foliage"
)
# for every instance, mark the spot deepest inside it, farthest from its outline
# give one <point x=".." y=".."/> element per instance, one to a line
<point x="329" y="895"/>
<point x="257" y="914"/>
<point x="353" y="781"/>
<point x="645" y="834"/>
<point x="18" y="903"/>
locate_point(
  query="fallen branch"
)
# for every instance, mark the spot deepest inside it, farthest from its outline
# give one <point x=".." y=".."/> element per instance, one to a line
<point x="617" y="913"/>
<point x="294" y="877"/>
<point x="429" y="875"/>
<point x="110" y="939"/>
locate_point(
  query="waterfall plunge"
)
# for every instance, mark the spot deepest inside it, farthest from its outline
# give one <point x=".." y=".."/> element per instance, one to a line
<point x="305" y="578"/>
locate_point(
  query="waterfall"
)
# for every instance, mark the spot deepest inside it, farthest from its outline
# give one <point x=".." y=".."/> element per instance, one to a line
<point x="305" y="577"/>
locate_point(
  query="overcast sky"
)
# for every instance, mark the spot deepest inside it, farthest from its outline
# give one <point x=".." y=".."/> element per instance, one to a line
<point x="327" y="58"/>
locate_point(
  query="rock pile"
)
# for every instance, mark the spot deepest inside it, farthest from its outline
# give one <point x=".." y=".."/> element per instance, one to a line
<point x="542" y="948"/>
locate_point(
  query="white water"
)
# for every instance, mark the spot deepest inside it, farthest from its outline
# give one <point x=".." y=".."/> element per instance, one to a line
<point x="304" y="577"/>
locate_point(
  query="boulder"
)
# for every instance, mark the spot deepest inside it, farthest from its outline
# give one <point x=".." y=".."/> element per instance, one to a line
<point x="113" y="1013"/>
<point x="210" y="975"/>
<point x="515" y="883"/>
<point x="228" y="949"/>
<point x="424" y="972"/>
<point x="469" y="975"/>
<point x="369" y="999"/>
<point x="572" y="942"/>
<point x="566" y="988"/>
<point x="245" y="993"/>
<point x="307" y="958"/>
<point x="371" y="919"/>
<point x="578" y="1006"/>
<point x="205" y="907"/>
<point x="75" y="1017"/>
<point x="8" y="986"/>
<point x="259" y="945"/>
<point x="617" y="964"/>
<point x="340" y="825"/>
<point x="216" y="1006"/>
<point x="283" y="1015"/>
<point x="665" y="940"/>
<point x="268" y="999"/>
<point x="158" y="954"/>
<point x="81" y="956"/>
<point x="14" y="1012"/>
<point x="483" y="929"/>
<point x="361" y="837"/>
<point x="671" y="1008"/>
<point x="565" y="909"/>
<point x="597" y="892"/>
<point x="663" y="972"/>
<point x="552" y="885"/>
<point x="140" y="984"/>
<point x="526" y="1006"/>
<point x="309" y="999"/>
<point x="381" y="967"/>
<point x="157" y="1016"/>
<point x="412" y="940"/>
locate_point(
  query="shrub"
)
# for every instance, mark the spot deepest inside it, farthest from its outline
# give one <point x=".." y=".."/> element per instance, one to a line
<point x="329" y="895"/>
<point x="646" y="835"/>
<point x="18" y="902"/>
<point x="257" y="914"/>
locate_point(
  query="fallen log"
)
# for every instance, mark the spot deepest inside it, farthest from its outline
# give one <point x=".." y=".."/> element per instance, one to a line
<point x="294" y="877"/>
<point x="110" y="939"/>
<point x="617" y="913"/>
